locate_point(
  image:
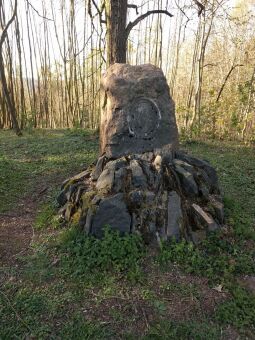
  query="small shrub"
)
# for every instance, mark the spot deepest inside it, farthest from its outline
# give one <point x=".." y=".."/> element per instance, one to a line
<point x="81" y="254"/>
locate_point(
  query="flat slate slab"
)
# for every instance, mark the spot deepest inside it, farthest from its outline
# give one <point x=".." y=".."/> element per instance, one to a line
<point x="112" y="211"/>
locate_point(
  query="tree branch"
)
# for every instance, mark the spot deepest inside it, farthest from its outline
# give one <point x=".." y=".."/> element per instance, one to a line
<point x="133" y="6"/>
<point x="226" y="79"/>
<point x="132" y="24"/>
<point x="4" y="32"/>
<point x="99" y="11"/>
<point x="37" y="12"/>
<point x="201" y="7"/>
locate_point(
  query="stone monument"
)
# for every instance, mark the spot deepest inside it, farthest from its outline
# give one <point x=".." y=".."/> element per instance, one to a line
<point x="139" y="112"/>
<point x="142" y="183"/>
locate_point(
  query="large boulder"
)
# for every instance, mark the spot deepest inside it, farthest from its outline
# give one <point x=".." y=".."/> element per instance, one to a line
<point x="138" y="115"/>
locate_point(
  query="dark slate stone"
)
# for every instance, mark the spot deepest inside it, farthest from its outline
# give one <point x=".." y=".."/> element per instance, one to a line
<point x="61" y="199"/>
<point x="112" y="211"/>
<point x="167" y="158"/>
<point x="175" y="217"/>
<point x="138" y="177"/>
<point x="147" y="156"/>
<point x="187" y="181"/>
<point x="134" y="223"/>
<point x="204" y="192"/>
<point x="149" y="197"/>
<point x="119" y="179"/>
<point x="116" y="164"/>
<point x="203" y="176"/>
<point x="210" y="171"/>
<point x="152" y="227"/>
<point x="98" y="169"/>
<point x="218" y="208"/>
<point x="105" y="180"/>
<point x="87" y="226"/>
<point x="184" y="165"/>
<point x="79" y="193"/>
<point x="136" y="198"/>
<point x="71" y="192"/>
<point x="148" y="172"/>
<point x="77" y="178"/>
<point x="81" y="176"/>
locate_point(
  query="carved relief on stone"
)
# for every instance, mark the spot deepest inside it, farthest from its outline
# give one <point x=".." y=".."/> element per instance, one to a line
<point x="143" y="118"/>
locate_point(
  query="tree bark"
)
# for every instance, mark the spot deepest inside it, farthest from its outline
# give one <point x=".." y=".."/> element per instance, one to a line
<point x="116" y="18"/>
<point x="118" y="31"/>
<point x="9" y="102"/>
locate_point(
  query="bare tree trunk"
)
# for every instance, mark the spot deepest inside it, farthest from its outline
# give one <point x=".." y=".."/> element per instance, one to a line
<point x="249" y="103"/>
<point x="116" y="18"/>
<point x="9" y="102"/>
<point x="22" y="92"/>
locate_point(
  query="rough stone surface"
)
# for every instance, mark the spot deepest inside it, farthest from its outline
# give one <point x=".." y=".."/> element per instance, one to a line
<point x="87" y="226"/>
<point x="205" y="218"/>
<point x="105" y="180"/>
<point x="143" y="183"/>
<point x="112" y="211"/>
<point x="120" y="179"/>
<point x="98" y="169"/>
<point x="174" y="217"/>
<point x="188" y="183"/>
<point x="212" y="177"/>
<point x="158" y="199"/>
<point x="77" y="178"/>
<point x="218" y="208"/>
<point x="138" y="177"/>
<point x="139" y="112"/>
<point x="61" y="199"/>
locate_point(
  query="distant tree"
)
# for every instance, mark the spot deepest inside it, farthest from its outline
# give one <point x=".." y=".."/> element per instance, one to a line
<point x="9" y="101"/>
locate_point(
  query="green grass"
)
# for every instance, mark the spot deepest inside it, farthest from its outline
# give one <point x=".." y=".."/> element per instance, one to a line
<point x="40" y="156"/>
<point x="71" y="286"/>
<point x="189" y="330"/>
<point x="235" y="164"/>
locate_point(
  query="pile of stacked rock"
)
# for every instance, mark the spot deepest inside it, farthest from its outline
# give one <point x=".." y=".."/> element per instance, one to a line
<point x="142" y="183"/>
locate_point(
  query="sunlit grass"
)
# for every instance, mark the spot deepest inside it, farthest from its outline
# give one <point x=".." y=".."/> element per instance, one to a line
<point x="24" y="161"/>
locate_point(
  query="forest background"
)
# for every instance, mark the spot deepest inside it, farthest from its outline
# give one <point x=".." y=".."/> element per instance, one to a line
<point x="54" y="54"/>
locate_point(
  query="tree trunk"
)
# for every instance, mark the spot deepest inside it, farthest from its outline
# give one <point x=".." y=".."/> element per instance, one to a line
<point x="9" y="102"/>
<point x="116" y="17"/>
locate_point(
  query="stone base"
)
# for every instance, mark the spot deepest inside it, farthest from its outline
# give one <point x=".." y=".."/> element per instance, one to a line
<point x="158" y="196"/>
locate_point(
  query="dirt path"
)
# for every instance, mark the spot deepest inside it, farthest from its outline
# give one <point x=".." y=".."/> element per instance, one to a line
<point x="16" y="227"/>
<point x="16" y="231"/>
